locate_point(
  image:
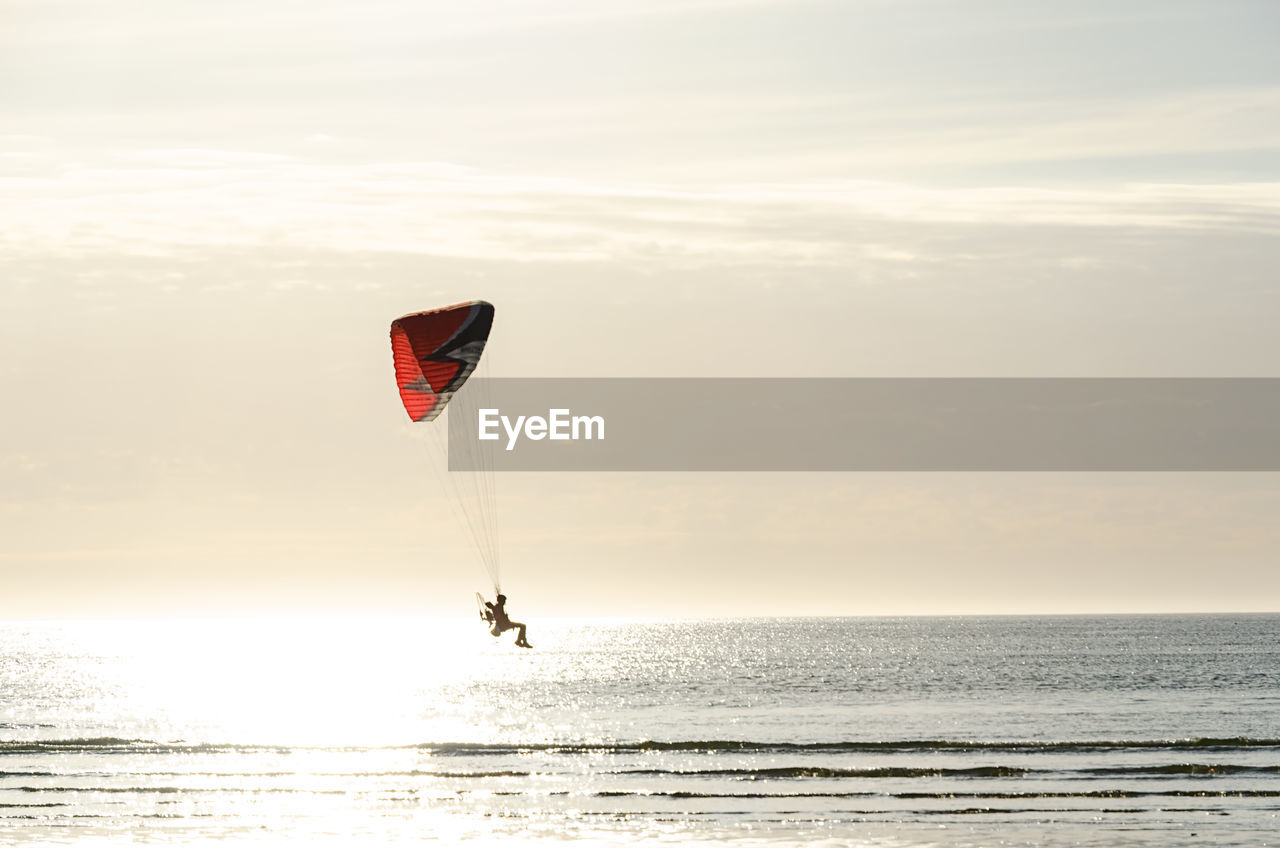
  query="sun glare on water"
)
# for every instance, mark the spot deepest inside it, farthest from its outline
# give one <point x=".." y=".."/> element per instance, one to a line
<point x="303" y="683"/>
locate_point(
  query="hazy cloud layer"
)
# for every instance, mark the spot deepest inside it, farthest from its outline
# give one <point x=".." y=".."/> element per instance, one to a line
<point x="149" y="200"/>
<point x="212" y="212"/>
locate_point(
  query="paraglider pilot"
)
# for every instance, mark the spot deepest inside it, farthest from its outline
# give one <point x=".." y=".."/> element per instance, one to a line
<point x="497" y="613"/>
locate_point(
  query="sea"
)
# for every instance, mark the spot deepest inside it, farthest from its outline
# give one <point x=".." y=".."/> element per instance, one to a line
<point x="965" y="731"/>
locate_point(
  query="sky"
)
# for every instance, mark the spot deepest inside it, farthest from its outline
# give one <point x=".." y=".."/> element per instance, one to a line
<point x="212" y="212"/>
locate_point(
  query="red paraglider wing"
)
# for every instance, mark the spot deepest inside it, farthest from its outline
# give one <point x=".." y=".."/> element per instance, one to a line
<point x="435" y="352"/>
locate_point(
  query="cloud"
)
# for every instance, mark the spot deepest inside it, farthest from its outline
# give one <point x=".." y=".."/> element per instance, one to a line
<point x="170" y="198"/>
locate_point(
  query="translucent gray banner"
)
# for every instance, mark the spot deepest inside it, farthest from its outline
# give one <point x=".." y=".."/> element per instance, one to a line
<point x="656" y="424"/>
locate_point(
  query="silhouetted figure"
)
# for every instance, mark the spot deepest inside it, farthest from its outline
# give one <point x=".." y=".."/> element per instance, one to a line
<point x="502" y="623"/>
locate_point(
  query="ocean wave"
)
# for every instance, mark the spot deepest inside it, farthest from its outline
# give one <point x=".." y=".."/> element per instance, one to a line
<point x="946" y="796"/>
<point x="1033" y="746"/>
<point x="110" y="745"/>
<point x="1180" y="769"/>
<point x="715" y="746"/>
<point x="821" y="772"/>
<point x="773" y="773"/>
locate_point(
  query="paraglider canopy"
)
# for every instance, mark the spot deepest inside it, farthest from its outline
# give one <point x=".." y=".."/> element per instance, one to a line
<point x="435" y="352"/>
